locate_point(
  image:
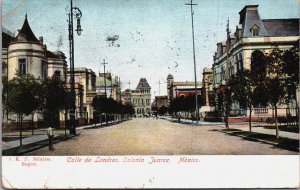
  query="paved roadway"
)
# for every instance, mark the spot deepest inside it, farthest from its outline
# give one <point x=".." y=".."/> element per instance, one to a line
<point x="148" y="136"/>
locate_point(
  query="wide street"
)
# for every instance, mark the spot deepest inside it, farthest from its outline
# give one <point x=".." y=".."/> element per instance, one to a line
<point x="148" y="136"/>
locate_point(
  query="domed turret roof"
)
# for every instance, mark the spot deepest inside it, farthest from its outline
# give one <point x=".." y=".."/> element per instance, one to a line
<point x="170" y="76"/>
<point x="26" y="34"/>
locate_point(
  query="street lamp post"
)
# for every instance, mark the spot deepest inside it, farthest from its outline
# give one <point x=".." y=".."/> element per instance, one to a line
<point x="74" y="11"/>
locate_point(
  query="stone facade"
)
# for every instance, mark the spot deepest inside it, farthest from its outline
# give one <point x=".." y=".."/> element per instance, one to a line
<point x="140" y="98"/>
<point x="26" y="54"/>
<point x="181" y="88"/>
<point x="251" y="34"/>
<point x="86" y="79"/>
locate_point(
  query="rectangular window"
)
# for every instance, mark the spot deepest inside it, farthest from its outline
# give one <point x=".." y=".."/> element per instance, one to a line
<point x="22" y="66"/>
<point x="255" y="32"/>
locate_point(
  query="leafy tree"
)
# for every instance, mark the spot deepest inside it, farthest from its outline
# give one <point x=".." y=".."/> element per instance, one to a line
<point x="4" y="94"/>
<point x="258" y="67"/>
<point x="67" y="106"/>
<point x="22" y="97"/>
<point x="38" y="92"/>
<point x="242" y="86"/>
<point x="225" y="92"/>
<point x="55" y="97"/>
<point x="291" y="70"/>
<point x="275" y="81"/>
<point x="162" y="110"/>
<point x="185" y="103"/>
<point x="128" y="109"/>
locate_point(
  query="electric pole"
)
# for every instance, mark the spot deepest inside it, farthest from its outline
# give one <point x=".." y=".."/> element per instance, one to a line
<point x="159" y="83"/>
<point x="195" y="72"/>
<point x="111" y="85"/>
<point x="104" y="77"/>
<point x="120" y="90"/>
<point x="129" y="84"/>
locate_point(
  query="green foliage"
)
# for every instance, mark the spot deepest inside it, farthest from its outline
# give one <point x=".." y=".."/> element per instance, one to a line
<point x="56" y="99"/>
<point x="275" y="85"/>
<point x="225" y="94"/>
<point x="24" y="95"/>
<point x="291" y="69"/>
<point x="128" y="109"/>
<point x="185" y="103"/>
<point x="162" y="110"/>
<point x="111" y="106"/>
<point x="258" y="66"/>
<point x="242" y="88"/>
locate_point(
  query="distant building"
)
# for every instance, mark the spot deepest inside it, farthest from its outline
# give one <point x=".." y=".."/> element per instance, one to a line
<point x="111" y="83"/>
<point x="159" y="101"/>
<point x="207" y="81"/>
<point x="85" y="85"/>
<point x="126" y="97"/>
<point x="181" y="88"/>
<point x="140" y="98"/>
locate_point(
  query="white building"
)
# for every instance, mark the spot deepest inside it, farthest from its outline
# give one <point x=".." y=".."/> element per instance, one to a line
<point x="140" y="98"/>
<point x="251" y="34"/>
<point x="24" y="54"/>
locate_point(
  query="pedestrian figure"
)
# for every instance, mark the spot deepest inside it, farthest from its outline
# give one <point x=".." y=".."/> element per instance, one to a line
<point x="50" y="137"/>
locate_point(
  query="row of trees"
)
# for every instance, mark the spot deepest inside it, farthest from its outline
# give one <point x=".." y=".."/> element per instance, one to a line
<point x="25" y="95"/>
<point x="103" y="105"/>
<point x="185" y="104"/>
<point x="272" y="80"/>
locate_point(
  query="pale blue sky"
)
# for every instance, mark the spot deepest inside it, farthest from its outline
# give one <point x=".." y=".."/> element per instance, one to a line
<point x="154" y="35"/>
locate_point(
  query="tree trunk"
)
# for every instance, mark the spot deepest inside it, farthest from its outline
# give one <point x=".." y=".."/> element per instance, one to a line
<point x="20" y="123"/>
<point x="276" y="122"/>
<point x="226" y="122"/>
<point x="227" y="111"/>
<point x="250" y="114"/>
<point x="106" y="122"/>
<point x="32" y="130"/>
<point x="66" y="124"/>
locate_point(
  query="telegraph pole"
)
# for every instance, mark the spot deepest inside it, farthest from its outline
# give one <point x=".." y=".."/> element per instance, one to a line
<point x="111" y="85"/>
<point x="227" y="49"/>
<point x="120" y="90"/>
<point x="159" y="83"/>
<point x="104" y="77"/>
<point x="129" y="84"/>
<point x="195" y="73"/>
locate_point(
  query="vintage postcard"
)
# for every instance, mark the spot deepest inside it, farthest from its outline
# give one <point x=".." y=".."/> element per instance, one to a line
<point x="150" y="94"/>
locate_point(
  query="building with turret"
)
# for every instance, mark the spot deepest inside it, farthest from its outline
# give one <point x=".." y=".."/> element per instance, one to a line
<point x="251" y="35"/>
<point x="140" y="98"/>
<point x="27" y="54"/>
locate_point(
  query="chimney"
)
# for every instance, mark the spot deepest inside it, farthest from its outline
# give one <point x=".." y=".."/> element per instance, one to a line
<point x="41" y="39"/>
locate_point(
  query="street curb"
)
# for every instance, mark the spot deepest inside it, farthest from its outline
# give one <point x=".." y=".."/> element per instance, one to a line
<point x="9" y="152"/>
<point x="22" y="152"/>
<point x="264" y="141"/>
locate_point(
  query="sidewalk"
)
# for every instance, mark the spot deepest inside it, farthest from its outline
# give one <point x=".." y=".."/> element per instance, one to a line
<point x="200" y="123"/>
<point x="244" y="127"/>
<point x="41" y="140"/>
<point x="262" y="130"/>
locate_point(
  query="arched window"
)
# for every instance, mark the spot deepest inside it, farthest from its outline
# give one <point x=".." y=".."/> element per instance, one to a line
<point x="57" y="73"/>
<point x="258" y="64"/>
